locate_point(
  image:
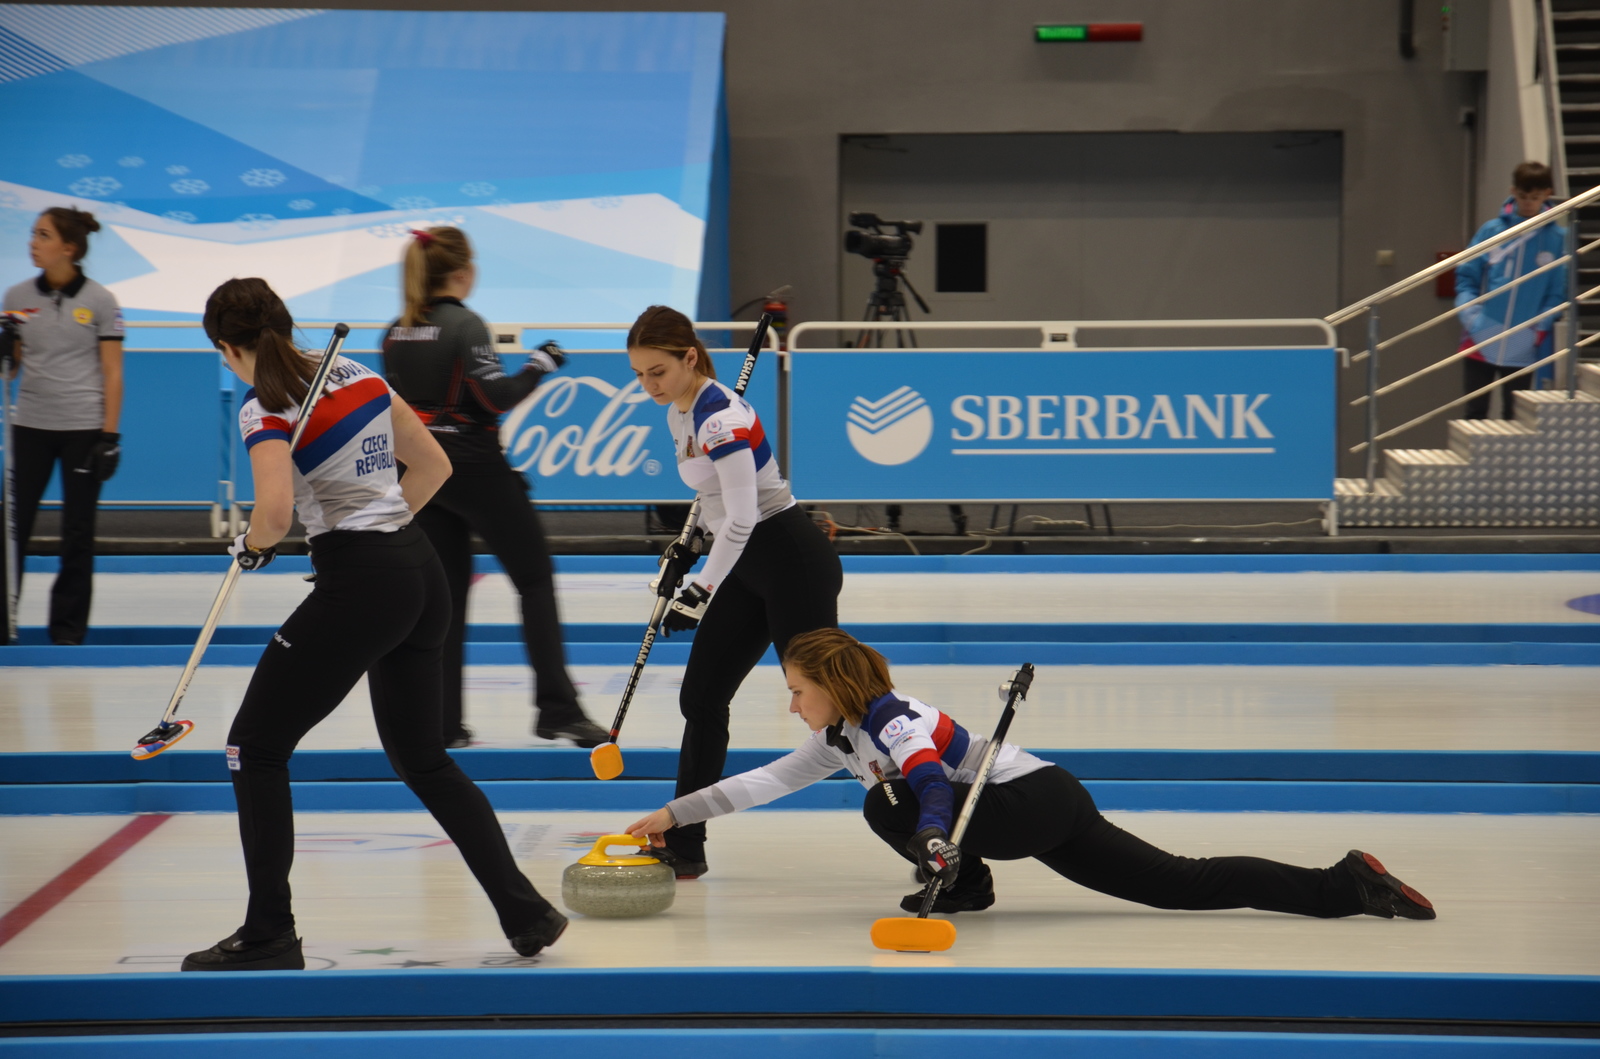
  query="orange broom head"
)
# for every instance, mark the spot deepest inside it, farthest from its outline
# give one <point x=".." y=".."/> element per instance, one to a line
<point x="906" y="934"/>
<point x="165" y="740"/>
<point x="606" y="760"/>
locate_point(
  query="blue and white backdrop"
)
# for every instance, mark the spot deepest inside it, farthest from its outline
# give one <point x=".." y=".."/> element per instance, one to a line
<point x="583" y="153"/>
<point x="300" y="145"/>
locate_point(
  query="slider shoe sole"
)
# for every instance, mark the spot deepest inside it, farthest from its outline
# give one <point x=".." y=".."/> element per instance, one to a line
<point x="1382" y="894"/>
<point x="681" y="866"/>
<point x="230" y="954"/>
<point x="544" y="933"/>
<point x="583" y="732"/>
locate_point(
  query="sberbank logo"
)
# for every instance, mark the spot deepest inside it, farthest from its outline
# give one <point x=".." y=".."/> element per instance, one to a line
<point x="891" y="430"/>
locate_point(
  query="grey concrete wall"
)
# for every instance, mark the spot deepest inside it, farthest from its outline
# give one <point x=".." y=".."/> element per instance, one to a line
<point x="802" y="73"/>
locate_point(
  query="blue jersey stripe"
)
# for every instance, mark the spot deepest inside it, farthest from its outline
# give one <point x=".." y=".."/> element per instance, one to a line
<point x="710" y="403"/>
<point x="959" y="741"/>
<point x="264" y="435"/>
<point x="312" y="456"/>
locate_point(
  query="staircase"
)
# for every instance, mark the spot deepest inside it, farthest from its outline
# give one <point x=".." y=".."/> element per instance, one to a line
<point x="1577" y="47"/>
<point x="1541" y="469"/>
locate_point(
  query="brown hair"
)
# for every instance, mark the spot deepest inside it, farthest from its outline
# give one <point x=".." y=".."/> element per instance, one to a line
<point x="248" y="314"/>
<point x="1532" y="176"/>
<point x="431" y="256"/>
<point x="74" y="227"/>
<point x="852" y="674"/>
<point x="665" y="328"/>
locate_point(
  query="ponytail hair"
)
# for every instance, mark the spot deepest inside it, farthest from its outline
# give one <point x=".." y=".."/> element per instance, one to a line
<point x="852" y="674"/>
<point x="247" y="314"/>
<point x="430" y="257"/>
<point x="664" y="328"/>
<point x="73" y="226"/>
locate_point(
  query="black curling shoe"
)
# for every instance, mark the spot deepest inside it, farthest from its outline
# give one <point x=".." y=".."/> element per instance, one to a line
<point x="233" y="954"/>
<point x="582" y="731"/>
<point x="545" y="932"/>
<point x="1381" y="893"/>
<point x="683" y="867"/>
<point x="972" y="894"/>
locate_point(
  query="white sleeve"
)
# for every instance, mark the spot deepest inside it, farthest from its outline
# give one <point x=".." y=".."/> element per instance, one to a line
<point x="813" y="761"/>
<point x="736" y="473"/>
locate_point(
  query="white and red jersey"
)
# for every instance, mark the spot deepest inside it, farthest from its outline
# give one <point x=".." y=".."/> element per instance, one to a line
<point x="344" y="469"/>
<point x="899" y="737"/>
<point x="723" y="455"/>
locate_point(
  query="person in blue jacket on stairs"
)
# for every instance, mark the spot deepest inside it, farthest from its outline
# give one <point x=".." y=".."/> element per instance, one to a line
<point x="1530" y="190"/>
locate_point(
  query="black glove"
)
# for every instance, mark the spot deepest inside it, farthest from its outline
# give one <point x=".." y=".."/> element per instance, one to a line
<point x="677" y="559"/>
<point x="934" y="854"/>
<point x="250" y="558"/>
<point x="103" y="457"/>
<point x="686" y="611"/>
<point x="8" y="343"/>
<point x="548" y="357"/>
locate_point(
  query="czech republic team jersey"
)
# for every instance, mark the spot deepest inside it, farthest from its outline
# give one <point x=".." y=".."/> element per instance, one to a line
<point x="344" y="470"/>
<point x="900" y="737"/>
<point x="720" y="424"/>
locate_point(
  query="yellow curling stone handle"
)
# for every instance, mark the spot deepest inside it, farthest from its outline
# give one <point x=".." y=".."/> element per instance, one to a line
<point x="598" y="854"/>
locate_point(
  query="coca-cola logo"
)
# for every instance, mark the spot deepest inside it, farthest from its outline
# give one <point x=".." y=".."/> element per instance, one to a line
<point x="578" y="424"/>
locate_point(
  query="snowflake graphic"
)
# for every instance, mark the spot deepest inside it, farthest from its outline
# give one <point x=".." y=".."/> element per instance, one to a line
<point x="262" y="178"/>
<point x="340" y="211"/>
<point x="177" y="170"/>
<point x="552" y="206"/>
<point x="369" y="190"/>
<point x="609" y="202"/>
<point x="131" y="161"/>
<point x="10" y="201"/>
<point x="301" y="204"/>
<point x="95" y="187"/>
<point x="413" y="202"/>
<point x="190" y="186"/>
<point x="390" y="231"/>
<point x="478" y="189"/>
<point x="181" y="216"/>
<point x="73" y="161"/>
<point x="256" y="222"/>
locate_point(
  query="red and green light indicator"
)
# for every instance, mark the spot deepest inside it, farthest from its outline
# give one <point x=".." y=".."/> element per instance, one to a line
<point x="1088" y="32"/>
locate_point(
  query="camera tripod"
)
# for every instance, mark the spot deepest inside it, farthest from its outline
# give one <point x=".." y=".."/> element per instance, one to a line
<point x="887" y="302"/>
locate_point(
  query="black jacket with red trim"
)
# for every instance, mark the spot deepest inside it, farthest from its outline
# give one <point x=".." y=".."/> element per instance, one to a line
<point x="448" y="371"/>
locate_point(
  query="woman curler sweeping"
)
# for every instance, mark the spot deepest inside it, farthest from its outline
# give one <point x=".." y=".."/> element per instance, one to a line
<point x="917" y="764"/>
<point x="380" y="608"/>
<point x="770" y="574"/>
<point x="439" y="358"/>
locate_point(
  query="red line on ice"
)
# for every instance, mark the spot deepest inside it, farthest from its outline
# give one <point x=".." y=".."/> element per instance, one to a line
<point x="87" y="867"/>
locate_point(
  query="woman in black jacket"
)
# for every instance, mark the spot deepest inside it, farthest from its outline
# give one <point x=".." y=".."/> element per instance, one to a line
<point x="438" y="356"/>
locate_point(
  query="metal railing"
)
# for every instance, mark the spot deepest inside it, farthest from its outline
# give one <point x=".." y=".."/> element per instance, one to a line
<point x="1568" y="339"/>
<point x="1053" y="334"/>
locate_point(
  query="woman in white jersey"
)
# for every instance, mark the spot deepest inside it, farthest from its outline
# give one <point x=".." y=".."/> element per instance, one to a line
<point x="381" y="608"/>
<point x="770" y="575"/>
<point x="918" y="765"/>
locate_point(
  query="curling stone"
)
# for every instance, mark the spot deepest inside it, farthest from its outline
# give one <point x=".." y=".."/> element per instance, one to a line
<point x="618" y="887"/>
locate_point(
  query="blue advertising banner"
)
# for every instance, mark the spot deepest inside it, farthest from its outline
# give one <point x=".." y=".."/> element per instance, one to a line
<point x="589" y="434"/>
<point x="1180" y="424"/>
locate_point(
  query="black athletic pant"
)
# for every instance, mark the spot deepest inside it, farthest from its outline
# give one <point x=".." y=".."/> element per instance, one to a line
<point x="785" y="583"/>
<point x="1049" y="816"/>
<point x="495" y="503"/>
<point x="38" y="452"/>
<point x="380" y="607"/>
<point x="1480" y="373"/>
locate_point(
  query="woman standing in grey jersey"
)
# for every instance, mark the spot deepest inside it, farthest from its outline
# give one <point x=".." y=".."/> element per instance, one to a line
<point x="68" y="404"/>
